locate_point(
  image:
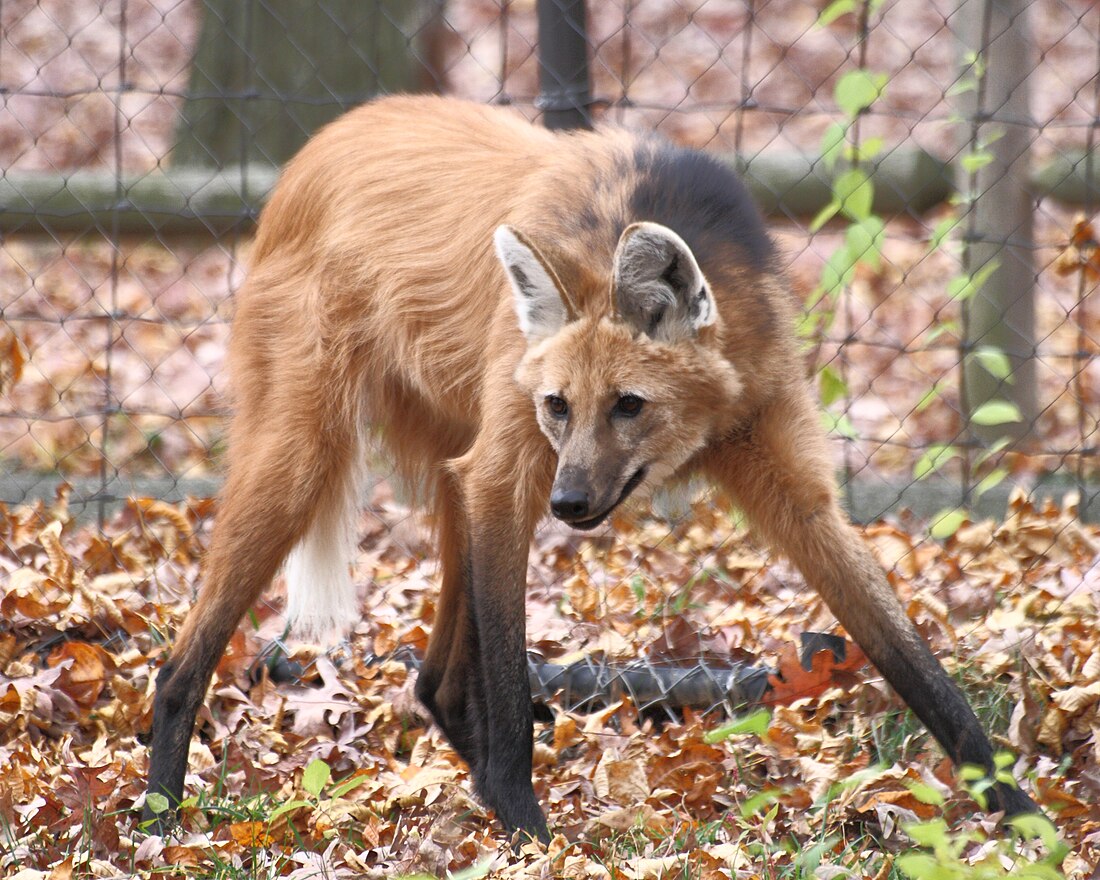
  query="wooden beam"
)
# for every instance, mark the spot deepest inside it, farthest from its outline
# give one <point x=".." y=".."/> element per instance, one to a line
<point x="161" y="202"/>
<point x="187" y="201"/>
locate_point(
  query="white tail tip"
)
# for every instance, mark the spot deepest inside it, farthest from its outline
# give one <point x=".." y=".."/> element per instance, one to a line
<point x="321" y="598"/>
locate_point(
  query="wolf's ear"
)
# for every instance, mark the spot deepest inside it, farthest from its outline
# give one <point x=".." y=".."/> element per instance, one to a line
<point x="657" y="287"/>
<point x="542" y="306"/>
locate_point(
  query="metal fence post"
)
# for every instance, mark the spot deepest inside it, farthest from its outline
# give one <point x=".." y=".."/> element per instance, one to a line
<point x="564" y="93"/>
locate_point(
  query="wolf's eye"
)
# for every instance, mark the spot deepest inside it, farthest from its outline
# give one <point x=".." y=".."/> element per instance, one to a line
<point x="629" y="405"/>
<point x="559" y="409"/>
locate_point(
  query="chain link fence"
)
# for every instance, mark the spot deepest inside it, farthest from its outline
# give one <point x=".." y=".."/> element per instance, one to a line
<point x="139" y="139"/>
<point x="930" y="171"/>
<point x="923" y="167"/>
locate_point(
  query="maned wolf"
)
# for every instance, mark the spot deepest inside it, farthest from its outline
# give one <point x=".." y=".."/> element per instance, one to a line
<point x="525" y="321"/>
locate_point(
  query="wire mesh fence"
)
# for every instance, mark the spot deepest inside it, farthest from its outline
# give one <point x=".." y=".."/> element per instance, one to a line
<point x="929" y="171"/>
<point x="140" y="138"/>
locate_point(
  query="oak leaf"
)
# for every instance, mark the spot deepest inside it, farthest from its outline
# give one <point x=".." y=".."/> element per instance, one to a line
<point x="83" y="679"/>
<point x="794" y="682"/>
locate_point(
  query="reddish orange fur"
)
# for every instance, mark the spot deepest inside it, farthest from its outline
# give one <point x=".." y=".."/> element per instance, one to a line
<point x="375" y="304"/>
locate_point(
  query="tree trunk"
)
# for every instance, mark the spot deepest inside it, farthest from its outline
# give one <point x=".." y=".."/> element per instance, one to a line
<point x="267" y="73"/>
<point x="1001" y="312"/>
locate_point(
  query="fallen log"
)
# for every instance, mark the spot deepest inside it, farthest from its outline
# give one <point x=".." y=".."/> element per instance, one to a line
<point x="594" y="682"/>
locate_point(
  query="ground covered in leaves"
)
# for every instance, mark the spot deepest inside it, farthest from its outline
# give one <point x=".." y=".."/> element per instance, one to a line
<point x="337" y="773"/>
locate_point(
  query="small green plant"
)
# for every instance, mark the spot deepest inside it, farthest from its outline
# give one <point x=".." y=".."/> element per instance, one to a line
<point x="259" y="821"/>
<point x="849" y="158"/>
<point x="991" y="413"/>
<point x="853" y="196"/>
<point x="958" y="854"/>
<point x="315" y="779"/>
<point x="962" y="288"/>
<point x="475" y="872"/>
<point x="755" y="722"/>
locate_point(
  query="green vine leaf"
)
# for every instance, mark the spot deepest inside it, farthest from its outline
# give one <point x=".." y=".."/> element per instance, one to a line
<point x="963" y="287"/>
<point x="839" y="424"/>
<point x="962" y="86"/>
<point x="759" y="801"/>
<point x="993" y="478"/>
<point x="316" y="776"/>
<point x="855" y="193"/>
<point x="824" y="215"/>
<point x="946" y="523"/>
<point x="994" y="361"/>
<point x="934" y="458"/>
<point x="348" y="785"/>
<point x="865" y="240"/>
<point x="996" y="412"/>
<point x="866" y="150"/>
<point x="941" y="231"/>
<point x="975" y="160"/>
<point x="928" y="397"/>
<point x="924" y="793"/>
<point x="283" y="809"/>
<point x="838" y="271"/>
<point x="835" y="10"/>
<point x="857" y="90"/>
<point x="757" y="722"/>
<point x="931" y="834"/>
<point x="156" y="802"/>
<point x="833" y="387"/>
<point x="832" y="144"/>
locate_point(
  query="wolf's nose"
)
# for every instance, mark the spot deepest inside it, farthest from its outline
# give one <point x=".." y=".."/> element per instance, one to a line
<point x="569" y="504"/>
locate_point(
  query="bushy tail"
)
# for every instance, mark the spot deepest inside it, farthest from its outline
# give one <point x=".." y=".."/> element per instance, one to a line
<point x="321" y="597"/>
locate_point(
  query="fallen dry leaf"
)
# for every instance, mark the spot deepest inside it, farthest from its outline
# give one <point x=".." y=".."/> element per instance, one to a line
<point x="621" y="781"/>
<point x="794" y="682"/>
<point x="85" y="670"/>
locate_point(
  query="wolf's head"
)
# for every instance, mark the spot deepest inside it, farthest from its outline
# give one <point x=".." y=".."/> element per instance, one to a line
<point x="625" y="395"/>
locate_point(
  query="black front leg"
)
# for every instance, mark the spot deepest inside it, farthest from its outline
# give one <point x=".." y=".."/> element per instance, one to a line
<point x="449" y="683"/>
<point x="449" y="686"/>
<point x="498" y="593"/>
<point x="474" y="677"/>
<point x="781" y="475"/>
